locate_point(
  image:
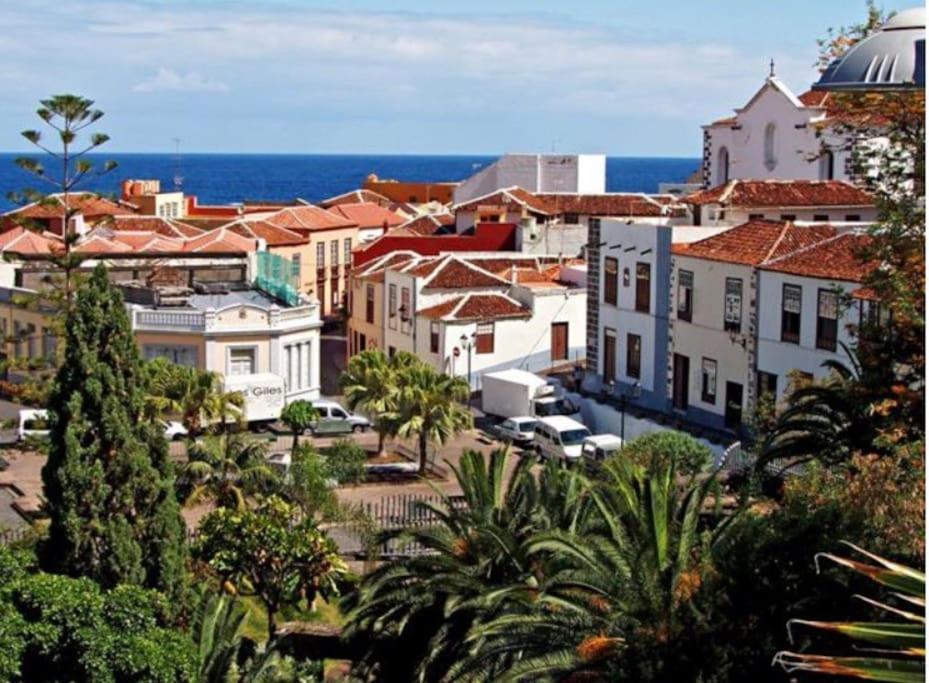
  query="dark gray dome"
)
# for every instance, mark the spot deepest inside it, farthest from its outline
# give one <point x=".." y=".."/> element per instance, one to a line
<point x="891" y="58"/>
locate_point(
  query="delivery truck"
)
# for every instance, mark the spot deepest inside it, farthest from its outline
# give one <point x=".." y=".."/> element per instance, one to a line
<point x="517" y="393"/>
<point x="263" y="397"/>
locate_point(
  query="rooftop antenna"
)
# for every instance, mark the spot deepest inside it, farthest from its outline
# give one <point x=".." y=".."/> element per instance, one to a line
<point x="771" y="75"/>
<point x="178" y="178"/>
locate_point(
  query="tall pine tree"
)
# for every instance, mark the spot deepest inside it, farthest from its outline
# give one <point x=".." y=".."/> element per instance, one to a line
<point x="109" y="484"/>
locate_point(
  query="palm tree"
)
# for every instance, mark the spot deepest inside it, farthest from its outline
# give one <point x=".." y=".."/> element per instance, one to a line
<point x="298" y="416"/>
<point x="429" y="408"/>
<point x="892" y="651"/>
<point x="217" y="630"/>
<point x="628" y="572"/>
<point x="225" y="468"/>
<point x="371" y="383"/>
<point x="474" y="561"/>
<point x="196" y="395"/>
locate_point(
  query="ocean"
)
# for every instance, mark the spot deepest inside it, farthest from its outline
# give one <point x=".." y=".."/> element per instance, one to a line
<point x="227" y="178"/>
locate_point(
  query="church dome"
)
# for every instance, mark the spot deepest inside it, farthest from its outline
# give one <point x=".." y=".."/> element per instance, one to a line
<point x="891" y="58"/>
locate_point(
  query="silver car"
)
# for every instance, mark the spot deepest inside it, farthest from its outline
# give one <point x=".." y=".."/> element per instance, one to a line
<point x="517" y="430"/>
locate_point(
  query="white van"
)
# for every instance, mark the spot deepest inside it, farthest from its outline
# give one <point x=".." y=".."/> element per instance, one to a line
<point x="599" y="447"/>
<point x="560" y="437"/>
<point x="32" y="423"/>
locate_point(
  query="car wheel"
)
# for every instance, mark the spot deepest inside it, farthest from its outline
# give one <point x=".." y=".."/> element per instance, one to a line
<point x="358" y="429"/>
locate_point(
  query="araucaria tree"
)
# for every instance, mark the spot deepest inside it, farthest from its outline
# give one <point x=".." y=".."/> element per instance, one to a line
<point x="109" y="485"/>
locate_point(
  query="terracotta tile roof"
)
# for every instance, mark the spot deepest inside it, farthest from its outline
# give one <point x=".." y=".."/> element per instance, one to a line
<point x="144" y="241"/>
<point x="20" y="240"/>
<point x="273" y="235"/>
<point x="454" y="273"/>
<point x="787" y="193"/>
<point x="421" y="269"/>
<point x="427" y="224"/>
<point x="815" y="98"/>
<point x="163" y="226"/>
<point x="755" y="242"/>
<point x="608" y="204"/>
<point x="88" y="205"/>
<point x="221" y="240"/>
<point x="102" y="245"/>
<point x="865" y="294"/>
<point x="507" y="198"/>
<point x="374" y="270"/>
<point x="477" y="307"/>
<point x="837" y="258"/>
<point x="203" y="224"/>
<point x="356" y="197"/>
<point x="308" y="218"/>
<point x="368" y="215"/>
<point x="727" y="121"/>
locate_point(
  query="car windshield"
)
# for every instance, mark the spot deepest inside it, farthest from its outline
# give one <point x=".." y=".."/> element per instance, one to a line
<point x="545" y="409"/>
<point x="573" y="437"/>
<point x="566" y="407"/>
<point x="527" y="426"/>
<point x="36" y="424"/>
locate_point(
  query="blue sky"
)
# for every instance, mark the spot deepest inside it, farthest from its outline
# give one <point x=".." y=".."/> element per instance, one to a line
<point x="356" y="76"/>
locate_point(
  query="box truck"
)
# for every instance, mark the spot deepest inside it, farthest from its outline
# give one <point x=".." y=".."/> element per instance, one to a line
<point x="517" y="393"/>
<point x="263" y="395"/>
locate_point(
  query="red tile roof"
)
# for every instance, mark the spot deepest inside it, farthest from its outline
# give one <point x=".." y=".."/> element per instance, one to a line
<point x="477" y="307"/>
<point x="609" y="204"/>
<point x="88" y="205"/>
<point x="782" y="193"/>
<point x="308" y="218"/>
<point x="357" y="197"/>
<point x="368" y="215"/>
<point x="454" y="273"/>
<point x="163" y="226"/>
<point x="273" y="235"/>
<point x="20" y="240"/>
<point x="507" y="198"/>
<point x="755" y="242"/>
<point x="427" y="224"/>
<point x="865" y="294"/>
<point x="221" y="240"/>
<point x="838" y="258"/>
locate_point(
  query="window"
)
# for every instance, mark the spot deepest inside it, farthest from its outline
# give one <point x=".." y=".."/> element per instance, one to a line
<point x="770" y="153"/>
<point x="362" y="342"/>
<point x="49" y="343"/>
<point x="756" y="216"/>
<point x="17" y="339"/>
<point x="852" y="217"/>
<point x="484" y="338"/>
<point x="732" y="316"/>
<point x="347" y="251"/>
<point x="609" y="355"/>
<point x="295" y="268"/>
<point x="391" y="351"/>
<point x="708" y="383"/>
<point x="685" y="295"/>
<point x="643" y="287"/>
<point x="722" y="166"/>
<point x="241" y="361"/>
<point x="434" y="337"/>
<point x="634" y="356"/>
<point x="392" y="307"/>
<point x="790" y="314"/>
<point x="821" y="217"/>
<point x="610" y="272"/>
<point x="767" y="384"/>
<point x="369" y="304"/>
<point x="571" y="219"/>
<point x="336" y="302"/>
<point x="405" y="312"/>
<point x="30" y="340"/>
<point x="179" y="355"/>
<point x="320" y="255"/>
<point x="334" y="252"/>
<point x="788" y="216"/>
<point x="826" y="166"/>
<point x="827" y="319"/>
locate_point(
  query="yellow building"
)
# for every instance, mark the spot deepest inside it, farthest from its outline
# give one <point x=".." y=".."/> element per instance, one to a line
<point x="367" y="304"/>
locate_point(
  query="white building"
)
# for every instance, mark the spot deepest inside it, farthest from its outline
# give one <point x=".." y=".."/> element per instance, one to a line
<point x="577" y="173"/>
<point x="813" y="304"/>
<point x="486" y="311"/>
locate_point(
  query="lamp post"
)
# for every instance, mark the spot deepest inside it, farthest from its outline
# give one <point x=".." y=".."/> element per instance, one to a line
<point x="634" y="393"/>
<point x="467" y="343"/>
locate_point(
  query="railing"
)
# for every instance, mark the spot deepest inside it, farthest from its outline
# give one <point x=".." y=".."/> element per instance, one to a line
<point x="186" y="321"/>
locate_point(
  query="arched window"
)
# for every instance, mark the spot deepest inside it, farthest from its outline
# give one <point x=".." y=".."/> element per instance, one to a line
<point x="770" y="158"/>
<point x="722" y="166"/>
<point x="826" y="166"/>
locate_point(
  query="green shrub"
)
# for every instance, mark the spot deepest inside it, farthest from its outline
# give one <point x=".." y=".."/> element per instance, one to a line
<point x="307" y="482"/>
<point x="345" y="462"/>
<point x="688" y="454"/>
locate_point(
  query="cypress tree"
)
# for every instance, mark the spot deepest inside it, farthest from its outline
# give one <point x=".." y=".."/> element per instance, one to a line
<point x="108" y="482"/>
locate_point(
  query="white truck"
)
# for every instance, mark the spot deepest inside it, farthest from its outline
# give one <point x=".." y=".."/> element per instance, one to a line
<point x="517" y="393"/>
<point x="263" y="394"/>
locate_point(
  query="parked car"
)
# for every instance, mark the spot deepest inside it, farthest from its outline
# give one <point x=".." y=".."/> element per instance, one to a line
<point x="334" y="419"/>
<point x="517" y="430"/>
<point x="599" y="447"/>
<point x="560" y="437"/>
<point x="174" y="430"/>
<point x="32" y="423"/>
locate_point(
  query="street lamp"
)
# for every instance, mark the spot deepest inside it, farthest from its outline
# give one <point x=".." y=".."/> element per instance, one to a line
<point x="634" y="394"/>
<point x="467" y="343"/>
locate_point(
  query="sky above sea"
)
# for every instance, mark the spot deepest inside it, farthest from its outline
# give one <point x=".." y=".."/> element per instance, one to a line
<point x="412" y="77"/>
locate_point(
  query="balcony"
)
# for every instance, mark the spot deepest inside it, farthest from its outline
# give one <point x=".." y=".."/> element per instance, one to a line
<point x="235" y="318"/>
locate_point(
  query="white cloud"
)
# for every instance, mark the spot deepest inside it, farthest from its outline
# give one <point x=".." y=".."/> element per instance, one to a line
<point x="166" y="79"/>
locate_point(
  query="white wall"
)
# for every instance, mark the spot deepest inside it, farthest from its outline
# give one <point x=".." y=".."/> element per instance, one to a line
<point x="779" y="357"/>
<point x="583" y="173"/>
<point x="713" y="215"/>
